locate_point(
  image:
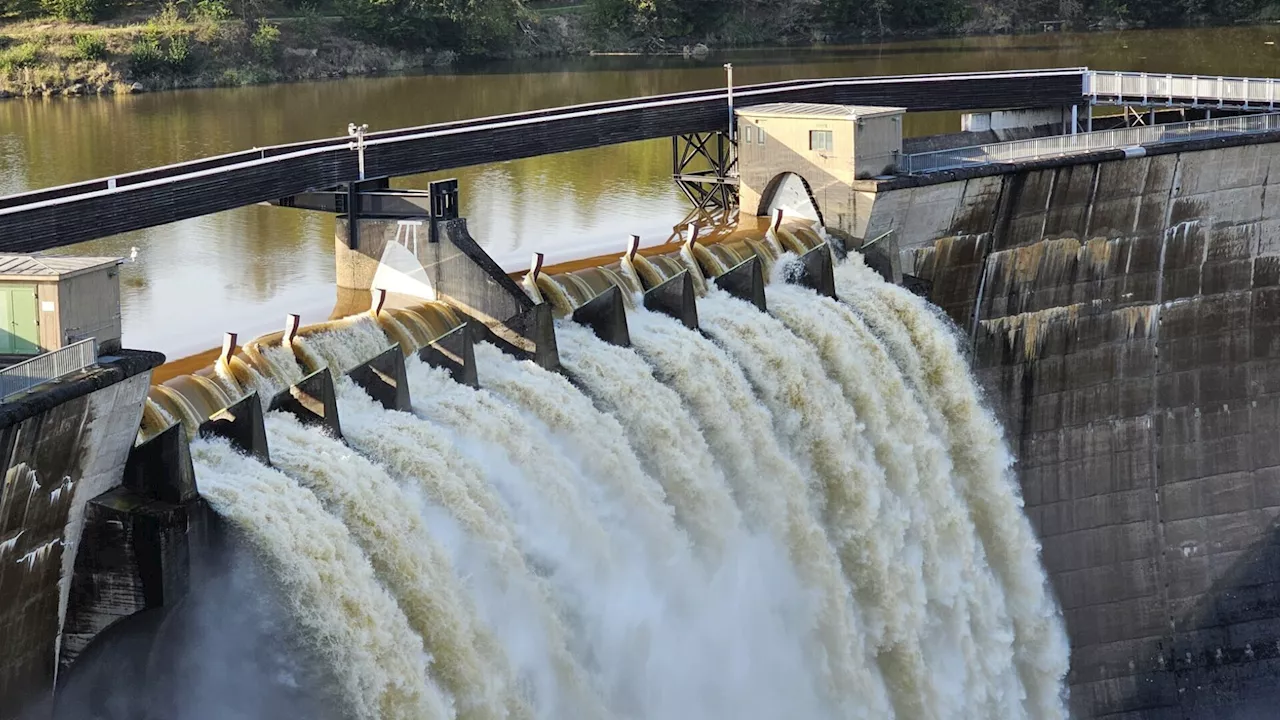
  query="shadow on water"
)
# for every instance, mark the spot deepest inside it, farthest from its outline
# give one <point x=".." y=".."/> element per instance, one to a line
<point x="229" y="650"/>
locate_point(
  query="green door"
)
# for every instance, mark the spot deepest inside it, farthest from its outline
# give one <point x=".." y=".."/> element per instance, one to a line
<point x="18" y="308"/>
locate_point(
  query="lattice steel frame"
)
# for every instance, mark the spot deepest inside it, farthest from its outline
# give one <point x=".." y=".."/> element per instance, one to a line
<point x="715" y="187"/>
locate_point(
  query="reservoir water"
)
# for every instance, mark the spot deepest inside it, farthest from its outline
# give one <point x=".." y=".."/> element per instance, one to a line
<point x="245" y="269"/>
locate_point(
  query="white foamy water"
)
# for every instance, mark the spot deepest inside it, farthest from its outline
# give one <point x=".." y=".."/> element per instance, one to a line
<point x="650" y="628"/>
<point x="866" y="524"/>
<point x="663" y="433"/>
<point x="596" y="441"/>
<point x="803" y="514"/>
<point x="983" y="470"/>
<point x="966" y="636"/>
<point x="351" y="619"/>
<point x="770" y="488"/>
<point x="516" y="604"/>
<point x="383" y="519"/>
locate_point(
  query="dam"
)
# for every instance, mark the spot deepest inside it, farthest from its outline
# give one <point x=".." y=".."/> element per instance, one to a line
<point x="940" y="427"/>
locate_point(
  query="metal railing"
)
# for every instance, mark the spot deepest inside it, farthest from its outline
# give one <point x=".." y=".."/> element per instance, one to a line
<point x="1130" y="88"/>
<point x="49" y="366"/>
<point x="1064" y="145"/>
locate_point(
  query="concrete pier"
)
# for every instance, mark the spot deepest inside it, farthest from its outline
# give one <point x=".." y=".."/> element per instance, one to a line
<point x="62" y="448"/>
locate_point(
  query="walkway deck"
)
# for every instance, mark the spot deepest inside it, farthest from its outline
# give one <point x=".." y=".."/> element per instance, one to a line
<point x="73" y="213"/>
<point x="1081" y="143"/>
<point x="83" y="211"/>
<point x="1191" y="91"/>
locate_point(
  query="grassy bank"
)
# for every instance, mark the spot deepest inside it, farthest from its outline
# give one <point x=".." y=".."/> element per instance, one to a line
<point x="65" y="58"/>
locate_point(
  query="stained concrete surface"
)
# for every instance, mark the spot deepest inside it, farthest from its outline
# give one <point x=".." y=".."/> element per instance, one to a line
<point x="1126" y="324"/>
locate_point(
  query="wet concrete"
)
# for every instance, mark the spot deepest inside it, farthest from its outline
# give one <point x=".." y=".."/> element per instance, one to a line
<point x="1126" y="323"/>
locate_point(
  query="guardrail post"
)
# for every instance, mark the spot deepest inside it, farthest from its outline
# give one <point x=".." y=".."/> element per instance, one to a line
<point x="1169" y="80"/>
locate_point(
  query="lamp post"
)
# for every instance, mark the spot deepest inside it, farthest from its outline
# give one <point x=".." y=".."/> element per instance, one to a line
<point x="357" y="132"/>
<point x="728" y="69"/>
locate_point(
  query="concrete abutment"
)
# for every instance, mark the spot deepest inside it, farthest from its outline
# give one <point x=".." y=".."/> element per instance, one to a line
<point x="1124" y="321"/>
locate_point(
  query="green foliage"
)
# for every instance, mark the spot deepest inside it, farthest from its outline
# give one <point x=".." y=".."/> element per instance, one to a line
<point x="178" y="55"/>
<point x="19" y="8"/>
<point x="155" y="54"/>
<point x="308" y="24"/>
<point x="168" y="17"/>
<point x="844" y="17"/>
<point x="266" y="42"/>
<point x="211" y="10"/>
<point x="467" y="25"/>
<point x="146" y="57"/>
<point x="653" y="18"/>
<point x="78" y="10"/>
<point x="88" y="47"/>
<point x="19" y="56"/>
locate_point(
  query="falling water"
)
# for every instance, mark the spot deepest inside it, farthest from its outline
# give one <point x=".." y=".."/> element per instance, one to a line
<point x="519" y="608"/>
<point x="770" y="488"/>
<point x="983" y="467"/>
<point x="652" y="628"/>
<point x="343" y="345"/>
<point x="385" y="523"/>
<point x="864" y="522"/>
<point x="596" y="441"/>
<point x="661" y="430"/>
<point x="967" y="642"/>
<point x="348" y="615"/>
<point x="805" y="514"/>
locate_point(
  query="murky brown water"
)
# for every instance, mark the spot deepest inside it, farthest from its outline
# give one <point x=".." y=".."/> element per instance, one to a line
<point x="244" y="270"/>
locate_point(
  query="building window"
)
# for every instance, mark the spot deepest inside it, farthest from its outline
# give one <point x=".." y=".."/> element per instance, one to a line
<point x="748" y="134"/>
<point x="820" y="140"/>
<point x="760" y="136"/>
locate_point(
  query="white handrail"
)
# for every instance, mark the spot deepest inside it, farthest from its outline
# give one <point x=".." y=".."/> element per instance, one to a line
<point x="1140" y="88"/>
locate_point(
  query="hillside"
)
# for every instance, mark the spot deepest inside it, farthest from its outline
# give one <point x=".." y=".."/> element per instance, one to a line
<point x="108" y="46"/>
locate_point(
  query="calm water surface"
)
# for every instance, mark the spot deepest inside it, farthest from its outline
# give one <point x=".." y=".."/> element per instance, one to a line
<point x="245" y="269"/>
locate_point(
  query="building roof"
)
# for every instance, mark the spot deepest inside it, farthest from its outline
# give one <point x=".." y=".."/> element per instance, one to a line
<point x="817" y="110"/>
<point x="50" y="267"/>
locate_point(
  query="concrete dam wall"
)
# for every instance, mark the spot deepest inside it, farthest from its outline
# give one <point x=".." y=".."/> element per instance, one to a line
<point x="1125" y="317"/>
<point x="63" y="450"/>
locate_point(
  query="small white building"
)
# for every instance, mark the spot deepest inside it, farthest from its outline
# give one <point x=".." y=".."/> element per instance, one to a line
<point x="828" y="146"/>
<point x="51" y="301"/>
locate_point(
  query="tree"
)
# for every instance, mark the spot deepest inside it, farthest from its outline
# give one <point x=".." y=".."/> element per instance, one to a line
<point x="472" y="26"/>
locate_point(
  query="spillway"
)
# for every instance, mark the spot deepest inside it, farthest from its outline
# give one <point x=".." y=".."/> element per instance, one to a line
<point x="782" y="505"/>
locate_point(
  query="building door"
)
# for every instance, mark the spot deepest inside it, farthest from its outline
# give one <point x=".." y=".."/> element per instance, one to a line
<point x="20" y="332"/>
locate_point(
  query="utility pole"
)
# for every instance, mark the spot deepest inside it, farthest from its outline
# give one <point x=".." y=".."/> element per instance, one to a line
<point x="728" y="68"/>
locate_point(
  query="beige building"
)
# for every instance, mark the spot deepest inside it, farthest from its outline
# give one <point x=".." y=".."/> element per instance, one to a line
<point x="793" y="155"/>
<point x="49" y="301"/>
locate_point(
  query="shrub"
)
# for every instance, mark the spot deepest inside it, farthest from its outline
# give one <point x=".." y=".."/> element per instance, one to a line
<point x="266" y="41"/>
<point x="79" y="10"/>
<point x="88" y="47"/>
<point x="214" y="10"/>
<point x="178" y="56"/>
<point x="19" y="56"/>
<point x="464" y="25"/>
<point x="146" y="57"/>
<point x="308" y="25"/>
